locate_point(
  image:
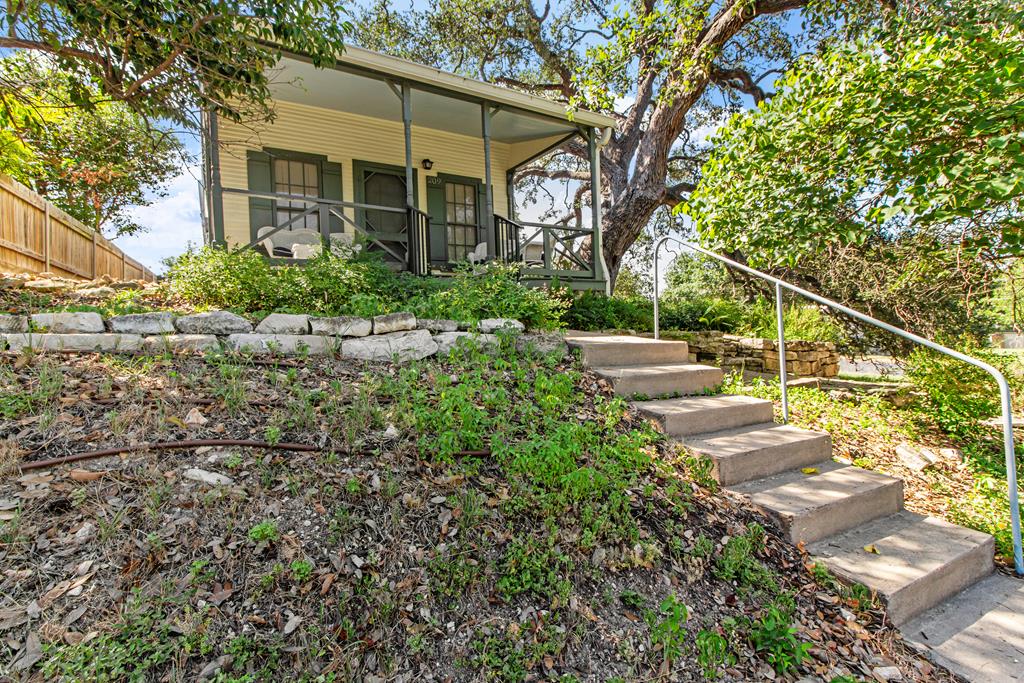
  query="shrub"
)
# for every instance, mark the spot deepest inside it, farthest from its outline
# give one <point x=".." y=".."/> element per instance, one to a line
<point x="245" y="282"/>
<point x="701" y="313"/>
<point x="802" y="321"/>
<point x="493" y="291"/>
<point x="595" y="311"/>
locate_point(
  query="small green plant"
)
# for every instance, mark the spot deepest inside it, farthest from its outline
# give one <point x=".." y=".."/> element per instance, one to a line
<point x="739" y="562"/>
<point x="774" y="636"/>
<point x="531" y="566"/>
<point x="301" y="570"/>
<point x="668" y="628"/>
<point x="264" y="532"/>
<point x="713" y="652"/>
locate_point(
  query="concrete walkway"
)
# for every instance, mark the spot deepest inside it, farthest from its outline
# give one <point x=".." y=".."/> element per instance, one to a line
<point x="936" y="578"/>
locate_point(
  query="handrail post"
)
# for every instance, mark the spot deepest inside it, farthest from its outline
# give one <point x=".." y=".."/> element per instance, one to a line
<point x="1010" y="454"/>
<point x="780" y="324"/>
<point x="657" y="248"/>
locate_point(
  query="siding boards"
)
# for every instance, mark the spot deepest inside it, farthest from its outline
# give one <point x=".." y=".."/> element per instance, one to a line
<point x="343" y="137"/>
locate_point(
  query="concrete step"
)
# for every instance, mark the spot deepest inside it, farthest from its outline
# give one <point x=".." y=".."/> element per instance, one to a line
<point x="978" y="633"/>
<point x="920" y="561"/>
<point x="614" y="350"/>
<point x="813" y="506"/>
<point x="760" y="450"/>
<point x="661" y="380"/>
<point x="702" y="414"/>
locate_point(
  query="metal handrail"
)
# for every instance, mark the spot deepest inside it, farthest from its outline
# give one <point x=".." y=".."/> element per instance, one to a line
<point x="1004" y="387"/>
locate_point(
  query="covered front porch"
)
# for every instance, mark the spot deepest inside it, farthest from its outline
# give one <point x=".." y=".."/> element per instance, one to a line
<point x="414" y="163"/>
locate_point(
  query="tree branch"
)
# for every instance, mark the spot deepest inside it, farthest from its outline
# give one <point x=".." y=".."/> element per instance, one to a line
<point x="737" y="79"/>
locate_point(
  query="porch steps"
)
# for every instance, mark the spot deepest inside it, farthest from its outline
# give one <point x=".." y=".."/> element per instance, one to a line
<point x="935" y="578"/>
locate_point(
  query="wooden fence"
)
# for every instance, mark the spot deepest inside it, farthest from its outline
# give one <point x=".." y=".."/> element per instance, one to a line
<point x="36" y="237"/>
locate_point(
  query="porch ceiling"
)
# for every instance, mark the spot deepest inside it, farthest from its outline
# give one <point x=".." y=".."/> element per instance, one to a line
<point x="300" y="82"/>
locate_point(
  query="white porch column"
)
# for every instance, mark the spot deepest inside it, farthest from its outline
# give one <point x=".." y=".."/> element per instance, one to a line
<point x="596" y="245"/>
<point x="485" y="127"/>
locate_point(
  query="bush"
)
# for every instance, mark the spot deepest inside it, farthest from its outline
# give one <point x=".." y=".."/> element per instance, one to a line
<point x="245" y="282"/>
<point x="491" y="292"/>
<point x="802" y="321"/>
<point x="701" y="313"/>
<point x="593" y="311"/>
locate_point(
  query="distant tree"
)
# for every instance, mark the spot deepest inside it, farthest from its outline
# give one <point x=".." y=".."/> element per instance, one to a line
<point x="664" y="69"/>
<point x="92" y="162"/>
<point x="171" y="59"/>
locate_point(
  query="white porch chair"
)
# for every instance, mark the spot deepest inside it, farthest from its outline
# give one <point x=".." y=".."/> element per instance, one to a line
<point x="478" y="255"/>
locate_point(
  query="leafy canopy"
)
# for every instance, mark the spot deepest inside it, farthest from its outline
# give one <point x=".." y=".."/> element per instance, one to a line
<point x="173" y="58"/>
<point x="94" y="163"/>
<point x="918" y="132"/>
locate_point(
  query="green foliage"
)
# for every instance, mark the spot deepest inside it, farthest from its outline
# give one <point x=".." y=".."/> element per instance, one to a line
<point x="95" y="163"/>
<point x="493" y="291"/>
<point x="536" y="567"/>
<point x="144" y="640"/>
<point x="801" y="321"/>
<point x="713" y="653"/>
<point x="668" y="628"/>
<point x="265" y="531"/>
<point x="301" y="570"/>
<point x="701" y="313"/>
<point x="739" y="561"/>
<point x="18" y="399"/>
<point x="244" y="281"/>
<point x="773" y="635"/>
<point x="813" y="163"/>
<point x="595" y="311"/>
<point x="171" y="60"/>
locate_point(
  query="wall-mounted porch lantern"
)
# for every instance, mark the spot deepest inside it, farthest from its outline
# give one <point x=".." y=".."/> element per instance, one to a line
<point x="427" y="164"/>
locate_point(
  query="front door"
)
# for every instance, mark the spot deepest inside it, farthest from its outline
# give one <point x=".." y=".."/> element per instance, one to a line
<point x="453" y="203"/>
<point x="384" y="187"/>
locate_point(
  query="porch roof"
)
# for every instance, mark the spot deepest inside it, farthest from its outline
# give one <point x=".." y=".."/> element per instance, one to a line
<point x="440" y="100"/>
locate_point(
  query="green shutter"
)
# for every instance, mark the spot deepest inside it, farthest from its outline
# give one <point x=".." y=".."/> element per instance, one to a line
<point x="261" y="210"/>
<point x="332" y="189"/>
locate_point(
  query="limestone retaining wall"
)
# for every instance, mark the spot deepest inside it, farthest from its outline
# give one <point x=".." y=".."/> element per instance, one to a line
<point x="803" y="358"/>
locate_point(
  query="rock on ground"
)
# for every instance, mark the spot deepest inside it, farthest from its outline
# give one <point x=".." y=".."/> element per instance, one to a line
<point x="68" y="323"/>
<point x="142" y="323"/>
<point x="542" y="343"/>
<point x="213" y="322"/>
<point x="342" y="326"/>
<point x="406" y="345"/>
<point x="180" y="342"/>
<point x="489" y="325"/>
<point x="435" y="325"/>
<point x="284" y="323"/>
<point x="393" y="322"/>
<point x="446" y="341"/>
<point x="281" y="343"/>
<point x="13" y="323"/>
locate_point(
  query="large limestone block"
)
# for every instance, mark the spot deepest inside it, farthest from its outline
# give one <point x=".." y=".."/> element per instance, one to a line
<point x="491" y="325"/>
<point x="435" y="325"/>
<point x="284" y="323"/>
<point x="142" y="323"/>
<point x="446" y="341"/>
<point x="68" y="323"/>
<point x="213" y="322"/>
<point x="13" y="324"/>
<point x="342" y="326"/>
<point x="281" y="343"/>
<point x="180" y="342"/>
<point x="542" y="343"/>
<point x="393" y="322"/>
<point x="406" y="345"/>
<point x="85" y="342"/>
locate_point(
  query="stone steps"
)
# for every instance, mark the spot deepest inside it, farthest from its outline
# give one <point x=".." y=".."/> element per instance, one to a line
<point x="660" y="380"/>
<point x="919" y="561"/>
<point x="813" y="506"/>
<point x="931" y="574"/>
<point x="702" y="414"/>
<point x="611" y="351"/>
<point x="760" y="450"/>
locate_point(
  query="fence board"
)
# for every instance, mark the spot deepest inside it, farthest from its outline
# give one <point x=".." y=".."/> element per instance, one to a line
<point x="36" y="236"/>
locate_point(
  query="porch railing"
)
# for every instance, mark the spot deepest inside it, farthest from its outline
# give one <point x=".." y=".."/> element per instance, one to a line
<point x="563" y="250"/>
<point x="397" y="245"/>
<point x="1004" y="388"/>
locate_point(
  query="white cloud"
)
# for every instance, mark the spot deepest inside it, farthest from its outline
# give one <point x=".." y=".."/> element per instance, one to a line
<point x="172" y="222"/>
